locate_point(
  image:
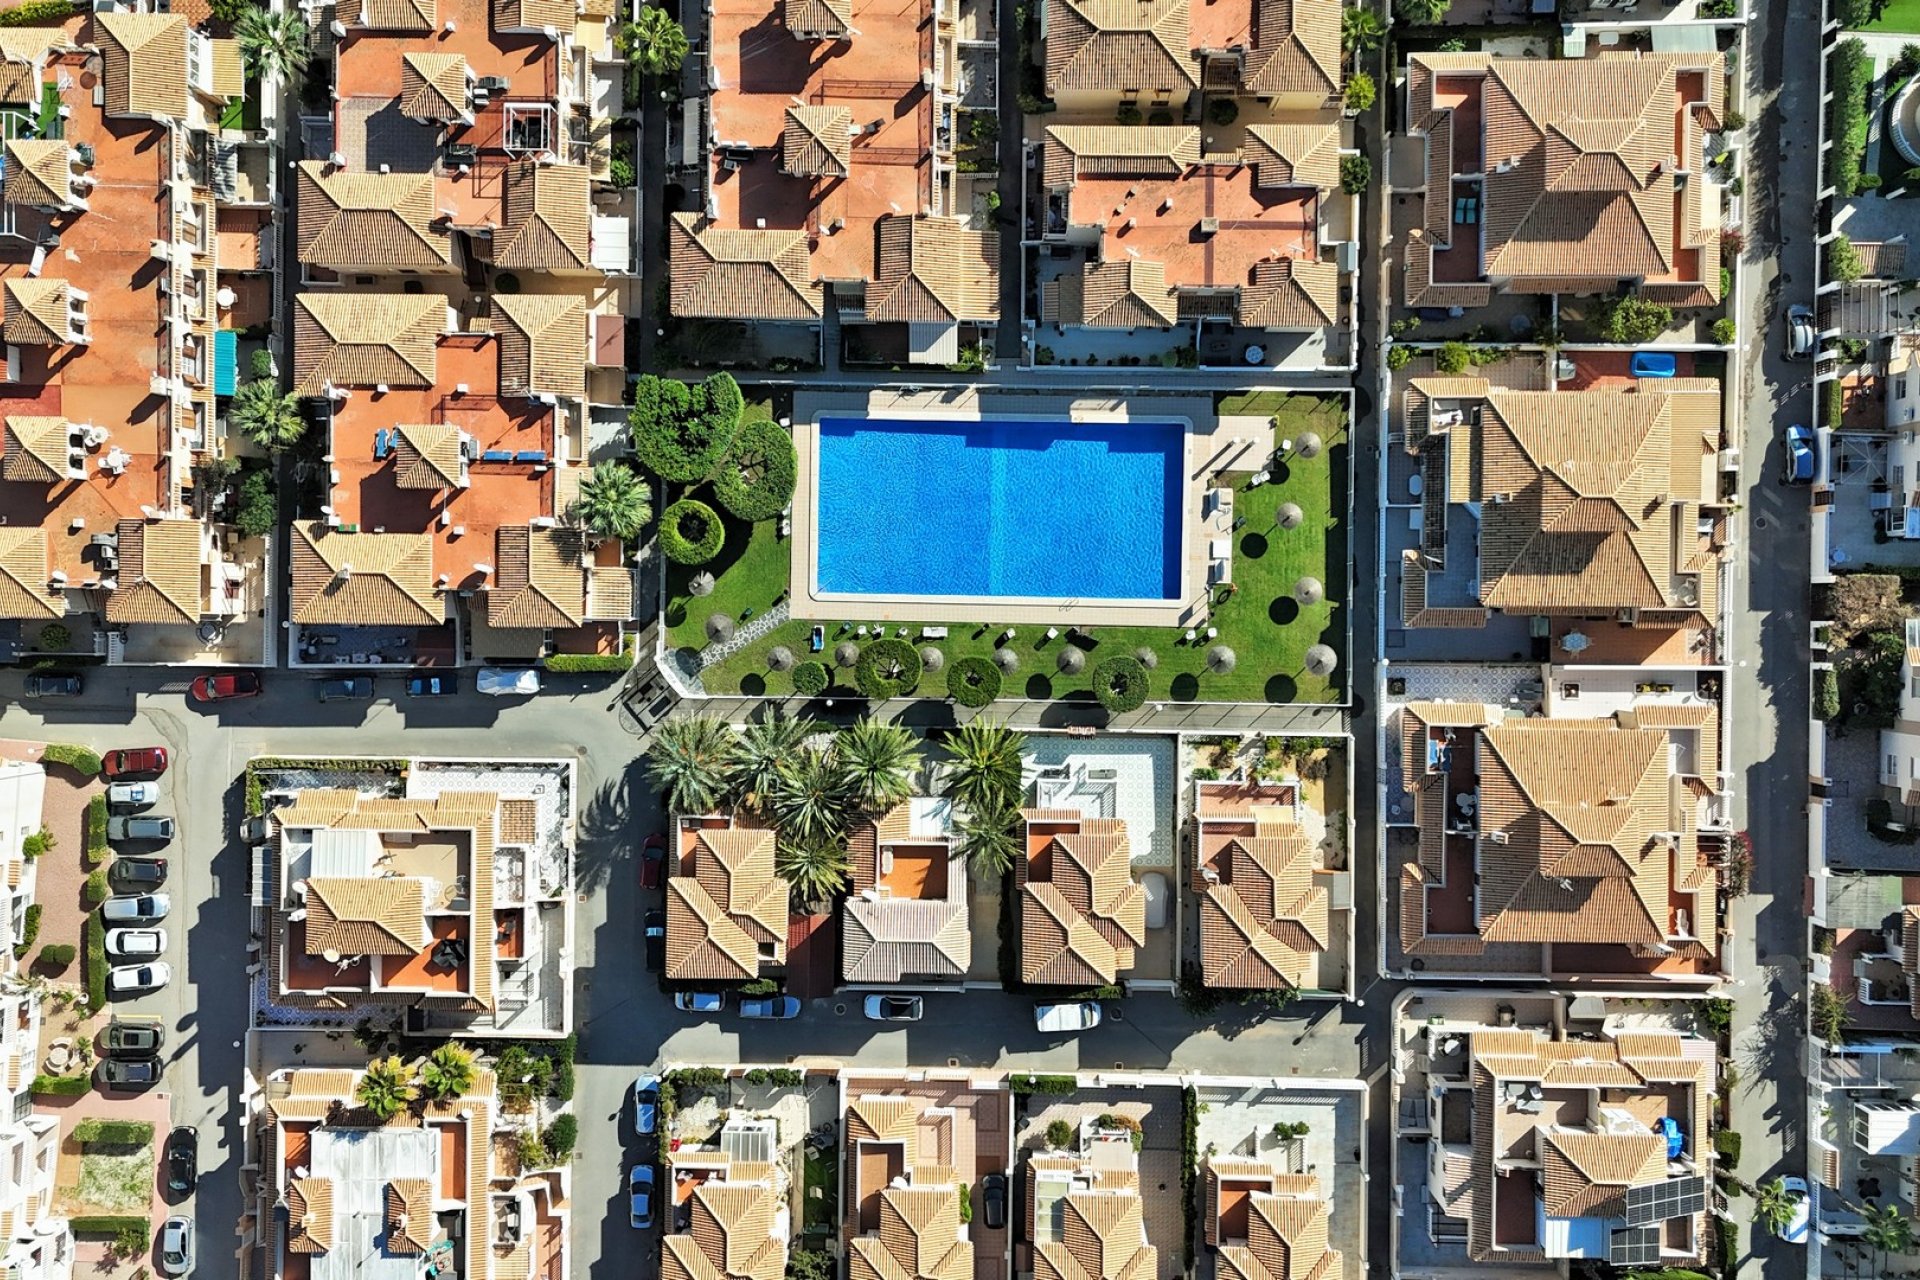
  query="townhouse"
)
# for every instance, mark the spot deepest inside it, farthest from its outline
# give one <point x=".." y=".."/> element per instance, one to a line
<point x="905" y="916"/>
<point x="726" y="918"/>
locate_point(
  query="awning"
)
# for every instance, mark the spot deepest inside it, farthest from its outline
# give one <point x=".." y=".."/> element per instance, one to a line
<point x="225" y="350"/>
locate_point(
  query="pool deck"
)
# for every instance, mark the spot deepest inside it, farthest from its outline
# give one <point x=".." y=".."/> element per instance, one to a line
<point x="1212" y="445"/>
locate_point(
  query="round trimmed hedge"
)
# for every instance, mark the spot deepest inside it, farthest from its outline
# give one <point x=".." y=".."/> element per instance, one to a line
<point x="691" y="532"/>
<point x="756" y="479"/>
<point x="973" y="682"/>
<point x="810" y="679"/>
<point x="1120" y="684"/>
<point x="888" y="667"/>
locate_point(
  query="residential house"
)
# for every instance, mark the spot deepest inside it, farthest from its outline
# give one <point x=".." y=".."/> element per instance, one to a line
<point x="1900" y="743"/>
<point x="729" y="1213"/>
<point x="726" y="909"/>
<point x="1581" y="176"/>
<point x="908" y="1153"/>
<point x="1081" y="913"/>
<point x="905" y="920"/>
<point x="1085" y="1215"/>
<point x="1267" y="1224"/>
<point x="1265" y="898"/>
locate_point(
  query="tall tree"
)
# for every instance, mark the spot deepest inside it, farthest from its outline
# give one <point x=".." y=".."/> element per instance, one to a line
<point x="1774" y="1205"/>
<point x="1361" y="30"/>
<point x="1888" y="1229"/>
<point x="655" y="42"/>
<point x="614" y="502"/>
<point x="814" y="870"/>
<point x="987" y="840"/>
<point x="266" y="416"/>
<point x="1425" y="12"/>
<point x="688" y="762"/>
<point x="760" y="756"/>
<point x="983" y="764"/>
<point x="810" y="799"/>
<point x="273" y="44"/>
<point x="878" y="760"/>
<point x="385" y="1088"/>
<point x="447" y="1072"/>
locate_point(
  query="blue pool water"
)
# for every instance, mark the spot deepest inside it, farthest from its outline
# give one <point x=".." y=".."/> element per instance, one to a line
<point x="1043" y="508"/>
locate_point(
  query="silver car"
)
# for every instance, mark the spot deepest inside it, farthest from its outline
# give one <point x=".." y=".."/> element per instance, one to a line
<point x="1801" y="338"/>
<point x="138" y="909"/>
<point x="136" y="944"/>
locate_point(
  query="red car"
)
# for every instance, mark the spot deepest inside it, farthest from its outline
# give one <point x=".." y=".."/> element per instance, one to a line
<point x="228" y="684"/>
<point x="134" y="763"/>
<point x="653" y="856"/>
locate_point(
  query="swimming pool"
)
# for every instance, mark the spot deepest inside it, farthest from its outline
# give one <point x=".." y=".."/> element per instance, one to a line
<point x="1039" y="509"/>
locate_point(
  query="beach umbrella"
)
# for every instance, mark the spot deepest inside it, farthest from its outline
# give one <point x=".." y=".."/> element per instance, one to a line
<point x="1321" y="660"/>
<point x="1309" y="445"/>
<point x="701" y="584"/>
<point x="1147" y="656"/>
<point x="780" y="658"/>
<point x="846" y="654"/>
<point x="1309" y="591"/>
<point x="1006" y="659"/>
<point x="1289" y="516"/>
<point x="1072" y="660"/>
<point x="932" y="659"/>
<point x="1220" y="659"/>
<point x="720" y="628"/>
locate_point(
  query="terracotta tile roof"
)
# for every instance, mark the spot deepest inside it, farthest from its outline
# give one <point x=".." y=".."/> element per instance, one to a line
<point x="366" y="339"/>
<point x="609" y="593"/>
<point x="1130" y="293"/>
<point x="410" y="1221"/>
<point x="369" y="219"/>
<point x="374" y="579"/>
<point x="145" y="57"/>
<point x="1102" y="1236"/>
<point x="821" y="19"/>
<point x="934" y="271"/>
<point x="23" y="53"/>
<point x="36" y="311"/>
<point x="1587" y="1174"/>
<point x="365" y="916"/>
<point x="547" y="212"/>
<point x="514" y="15"/>
<point x="539" y="582"/>
<point x="389" y="15"/>
<point x="1080" y="922"/>
<point x="1296" y="48"/>
<point x="720" y="916"/>
<point x="1291" y="293"/>
<point x="1296" y="155"/>
<point x="886" y="939"/>
<point x="740" y="275"/>
<point x="817" y="142"/>
<point x="309" y="1215"/>
<point x="427" y="456"/>
<point x="543" y="343"/>
<point x="1163" y="151"/>
<point x="1265" y="923"/>
<point x="730" y="1236"/>
<point x="36" y="449"/>
<point x="1117" y="45"/>
<point x="25" y="573"/>
<point x="39" y="172"/>
<point x="920" y="1238"/>
<point x="160" y="571"/>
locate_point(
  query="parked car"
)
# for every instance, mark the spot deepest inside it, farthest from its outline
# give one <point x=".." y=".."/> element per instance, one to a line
<point x="133" y="762"/>
<point x="137" y="873"/>
<point x="646" y="1104"/>
<point x="128" y="1073"/>
<point x="1801" y="338"/>
<point x="699" y="1001"/>
<point x="51" y="684"/>
<point x="1794" y="1230"/>
<point x="134" y="1037"/>
<point x="507" y="682"/>
<point x="437" y="685"/>
<point x="137" y="944"/>
<point x="640" y="1197"/>
<point x="345" y="689"/>
<point x="149" y="827"/>
<point x="655" y="925"/>
<point x="1080" y="1015"/>
<point x="183" y="1160"/>
<point x="136" y="909"/>
<point x="777" y="1008"/>
<point x="653" y="860"/>
<point x="127" y="979"/>
<point x="1803" y="460"/>
<point x="894" y="1008"/>
<point x="132" y="795"/>
<point x="1652" y="364"/>
<point x="224" y="686"/>
<point x="993" y="1196"/>
<point x="176" y="1246"/>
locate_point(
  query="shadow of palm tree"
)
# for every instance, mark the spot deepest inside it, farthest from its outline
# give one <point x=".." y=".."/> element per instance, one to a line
<point x="605" y="831"/>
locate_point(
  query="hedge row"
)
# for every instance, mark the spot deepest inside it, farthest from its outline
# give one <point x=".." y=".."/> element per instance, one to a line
<point x="36" y="12"/>
<point x="29" y="932"/>
<point x="95" y="846"/>
<point x="1852" y="69"/>
<point x="1826" y="695"/>
<point x="81" y="760"/>
<point x="108" y="1224"/>
<point x="96" y="890"/>
<point x="114" y="1133"/>
<point x="585" y="663"/>
<point x="95" y="937"/>
<point x="756" y="479"/>
<point x="62" y="1086"/>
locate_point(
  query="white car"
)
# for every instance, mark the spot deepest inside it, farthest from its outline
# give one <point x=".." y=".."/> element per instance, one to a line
<point x="133" y="795"/>
<point x="137" y="909"/>
<point x="136" y="944"/>
<point x="1082" y="1015"/>
<point x="176" y="1247"/>
<point x="1795" y="1230"/>
<point x="507" y="682"/>
<point x="129" y="978"/>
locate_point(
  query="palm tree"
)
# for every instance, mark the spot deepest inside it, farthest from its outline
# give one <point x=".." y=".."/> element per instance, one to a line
<point x="814" y="869"/>
<point x="879" y="760"/>
<point x="385" y="1088"/>
<point x="613" y="502"/>
<point x="1361" y="30"/>
<point x="987" y="839"/>
<point x="761" y="753"/>
<point x="268" y="418"/>
<point x="448" y="1072"/>
<point x="1425" y="12"/>
<point x="688" y="761"/>
<point x="273" y="44"/>
<point x="810" y="799"/>
<point x="1773" y="1205"/>
<point x="1888" y="1229"/>
<point x="983" y="766"/>
<point x="655" y="42"/>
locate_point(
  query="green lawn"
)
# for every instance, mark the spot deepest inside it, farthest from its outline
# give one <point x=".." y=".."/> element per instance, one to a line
<point x="1257" y="619"/>
<point x="1897" y="17"/>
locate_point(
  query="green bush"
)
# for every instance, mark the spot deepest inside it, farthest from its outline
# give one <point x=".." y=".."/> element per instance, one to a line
<point x="104" y="1224"/>
<point x="1223" y="111"/>
<point x="1453" y="357"/>
<point x="1052" y="1085"/>
<point x="1399" y="357"/>
<point x="888" y="667"/>
<point x="55" y="956"/>
<point x="96" y="890"/>
<point x="29" y="932"/>
<point x="260" y="363"/>
<point x="691" y="532"/>
<point x="94" y="935"/>
<point x="1847" y="128"/>
<point x="62" y="1087"/>
<point x="96" y="826"/>
<point x="756" y="478"/>
<point x="113" y="1133"/>
<point x="37" y="843"/>
<point x="1633" y="319"/>
<point x="1120" y="684"/>
<point x="1127" y="114"/>
<point x="587" y="663"/>
<point x="681" y="432"/>
<point x="1356" y="174"/>
<point x="966" y="1203"/>
<point x="1727" y="1144"/>
<point x="562" y="1134"/>
<point x="1724" y="331"/>
<point x="259" y="510"/>
<point x="973" y="681"/>
<point x="1361" y="91"/>
<point x="1826" y="695"/>
<point x="1059" y="1134"/>
<point x="1854" y="13"/>
<point x="1843" y="260"/>
<point x="1833" y="403"/>
<point x="34" y="13"/>
<point x="79" y="759"/>
<point x="810" y="679"/>
<point x="55" y="636"/>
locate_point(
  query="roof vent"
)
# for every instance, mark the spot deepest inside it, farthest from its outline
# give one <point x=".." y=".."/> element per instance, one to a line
<point x="1208" y="226"/>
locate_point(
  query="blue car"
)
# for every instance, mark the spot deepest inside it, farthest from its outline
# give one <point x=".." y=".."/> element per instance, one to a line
<point x="640" y="1197"/>
<point x="432" y="686"/>
<point x="1649" y="364"/>
<point x="699" y="1001"/>
<point x="779" y="1008"/>
<point x="1802" y="461"/>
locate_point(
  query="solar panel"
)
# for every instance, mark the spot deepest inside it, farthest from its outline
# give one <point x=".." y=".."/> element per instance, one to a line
<point x="1674" y="1198"/>
<point x="1634" y="1246"/>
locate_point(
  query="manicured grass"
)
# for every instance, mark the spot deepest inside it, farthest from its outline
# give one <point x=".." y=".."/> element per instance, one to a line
<point x="1897" y="17"/>
<point x="1265" y="403"/>
<point x="1257" y="618"/>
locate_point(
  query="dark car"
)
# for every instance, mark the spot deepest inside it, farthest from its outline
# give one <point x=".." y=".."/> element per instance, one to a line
<point x="345" y="689"/>
<point x="133" y="764"/>
<point x="653" y="859"/>
<point x="993" y="1194"/>
<point x="129" y="1073"/>
<point x="52" y="684"/>
<point x="137" y="874"/>
<point x="134" y="1038"/>
<point x="437" y="685"/>
<point x="183" y="1160"/>
<point x="655" y="924"/>
<point x="227" y="684"/>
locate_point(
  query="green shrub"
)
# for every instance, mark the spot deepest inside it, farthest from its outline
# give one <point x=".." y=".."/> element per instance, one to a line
<point x="1829" y="1016"/>
<point x="1724" y="331"/>
<point x="1120" y="684"/>
<point x="1843" y="260"/>
<point x="81" y="760"/>
<point x="681" y="432"/>
<point x="1833" y="403"/>
<point x="1052" y="1085"/>
<point x="888" y="667"/>
<point x="1127" y="114"/>
<point x="1361" y="91"/>
<point x="94" y="935"/>
<point x="258" y="511"/>
<point x="691" y="532"/>
<point x="756" y="1077"/>
<point x="1727" y="1143"/>
<point x="113" y="1133"/>
<point x="96" y="827"/>
<point x="1454" y="357"/>
<point x="1399" y="357"/>
<point x="1716" y="1016"/>
<point x="35" y="13"/>
<point x="29" y="932"/>
<point x="966" y="1203"/>
<point x="105" y="1224"/>
<point x="1223" y="111"/>
<point x="756" y="479"/>
<point x="260" y="363"/>
<point x="1826" y="695"/>
<point x="37" y="843"/>
<point x="973" y="681"/>
<point x="587" y="663"/>
<point x="561" y="1136"/>
<point x="1059" y="1134"/>
<point x="96" y="890"/>
<point x="1854" y="13"/>
<point x="62" y="1087"/>
<point x="1356" y="174"/>
<point x="1633" y="319"/>
<point x="1847" y="128"/>
<point x="810" y="679"/>
<point x="55" y="956"/>
<point x="55" y="636"/>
